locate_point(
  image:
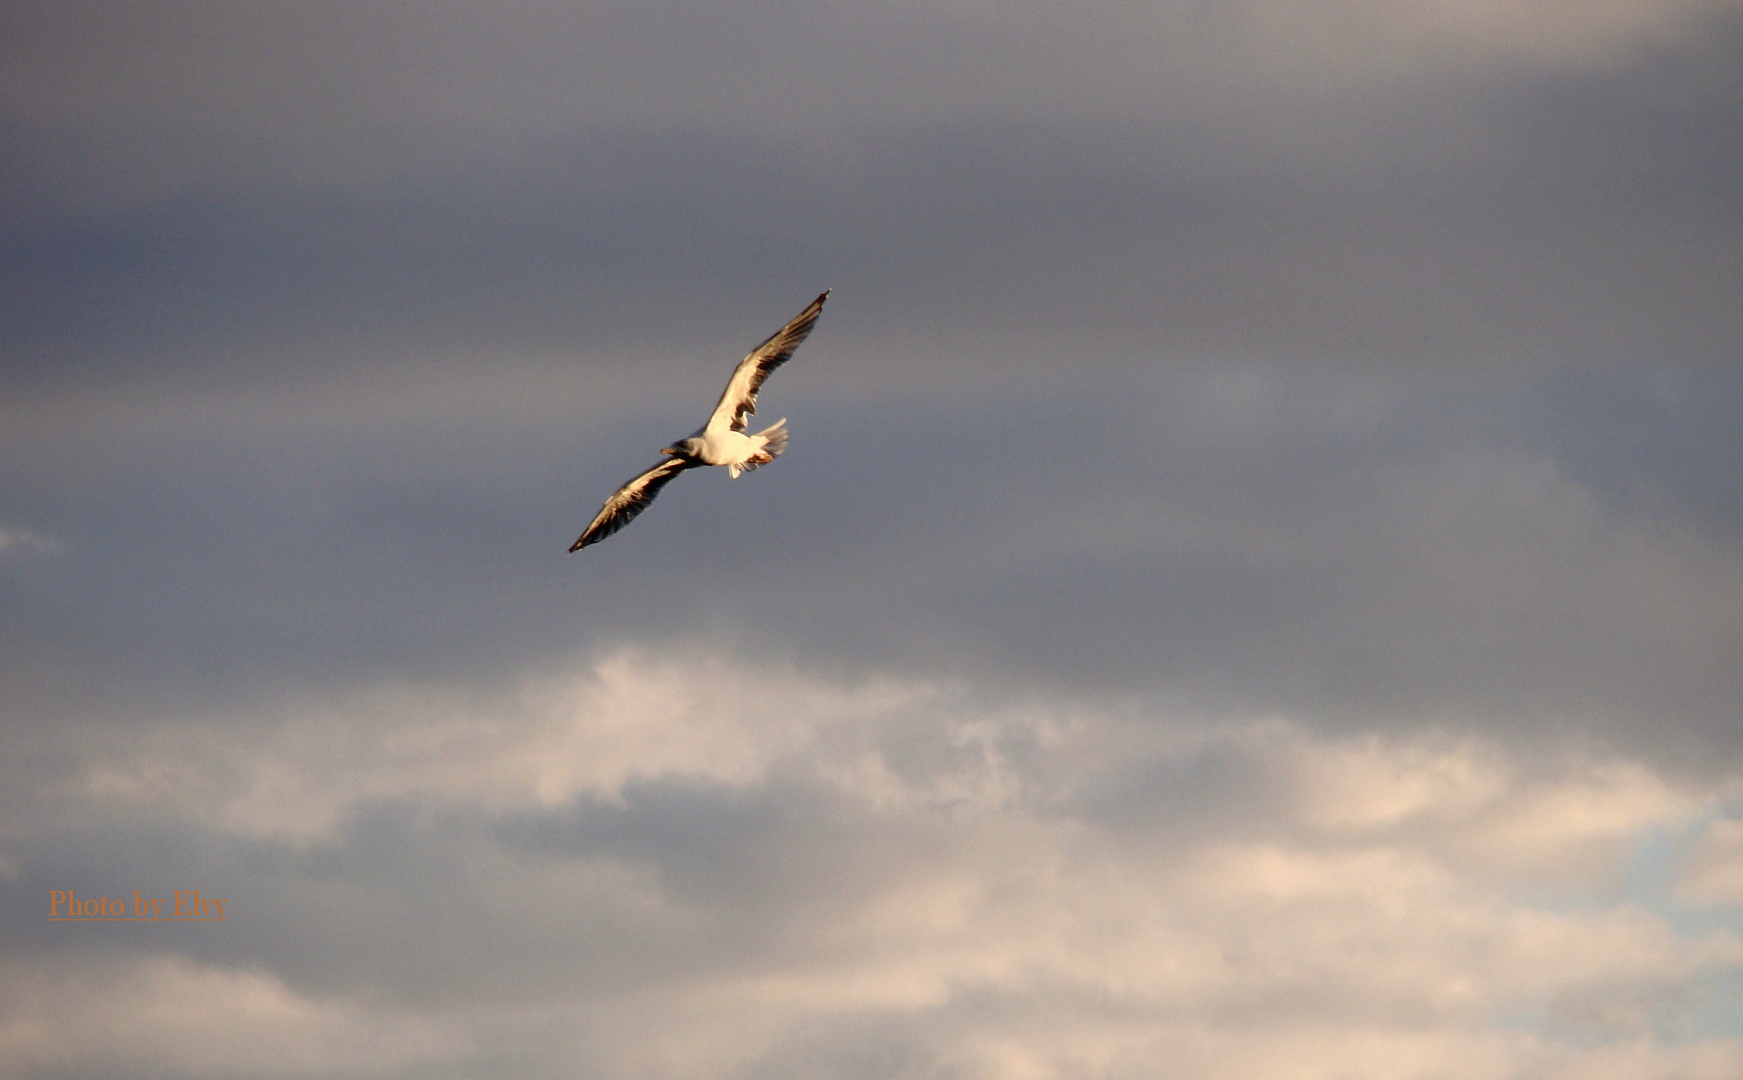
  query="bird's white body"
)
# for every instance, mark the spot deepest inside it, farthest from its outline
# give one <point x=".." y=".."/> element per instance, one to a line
<point x="738" y="451"/>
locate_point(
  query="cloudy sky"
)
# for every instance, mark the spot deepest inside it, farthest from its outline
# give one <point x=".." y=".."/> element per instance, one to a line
<point x="1256" y="589"/>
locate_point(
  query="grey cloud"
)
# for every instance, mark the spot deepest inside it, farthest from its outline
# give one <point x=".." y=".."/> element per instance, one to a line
<point x="1556" y="233"/>
<point x="280" y="69"/>
<point x="1650" y="443"/>
<point x="1533" y="213"/>
<point x="1389" y="553"/>
<point x="1341" y="546"/>
<point x="589" y="902"/>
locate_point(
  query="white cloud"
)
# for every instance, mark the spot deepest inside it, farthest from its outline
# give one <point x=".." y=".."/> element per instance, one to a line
<point x="1713" y="873"/>
<point x="1358" y="907"/>
<point x="1488" y="812"/>
<point x="634" y="716"/>
<point x="167" y="1014"/>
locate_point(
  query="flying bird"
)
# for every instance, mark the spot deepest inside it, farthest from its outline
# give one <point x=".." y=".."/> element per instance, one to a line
<point x="722" y="440"/>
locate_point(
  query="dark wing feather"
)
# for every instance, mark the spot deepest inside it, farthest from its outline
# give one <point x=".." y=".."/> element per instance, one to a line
<point x="740" y="398"/>
<point x="631" y="499"/>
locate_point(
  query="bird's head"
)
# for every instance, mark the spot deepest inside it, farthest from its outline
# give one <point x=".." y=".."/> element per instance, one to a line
<point x="685" y="447"/>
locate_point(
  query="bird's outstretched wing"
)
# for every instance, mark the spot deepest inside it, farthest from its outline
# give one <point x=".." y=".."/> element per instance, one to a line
<point x="740" y="398"/>
<point x="631" y="499"/>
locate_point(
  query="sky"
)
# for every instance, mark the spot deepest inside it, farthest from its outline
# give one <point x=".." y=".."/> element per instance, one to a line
<point x="1255" y="590"/>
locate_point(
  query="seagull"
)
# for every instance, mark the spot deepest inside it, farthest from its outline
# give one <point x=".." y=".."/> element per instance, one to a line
<point x="722" y="440"/>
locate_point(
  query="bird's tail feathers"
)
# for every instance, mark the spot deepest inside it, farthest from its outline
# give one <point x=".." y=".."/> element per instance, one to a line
<point x="774" y="442"/>
<point x="777" y="434"/>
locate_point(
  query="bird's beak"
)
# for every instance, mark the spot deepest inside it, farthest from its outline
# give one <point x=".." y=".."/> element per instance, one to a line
<point x="669" y="450"/>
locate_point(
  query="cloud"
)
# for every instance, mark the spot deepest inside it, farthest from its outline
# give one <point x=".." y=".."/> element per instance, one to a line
<point x="634" y="718"/>
<point x="1713" y="873"/>
<point x="1478" y="33"/>
<point x="1345" y="548"/>
<point x="790" y="871"/>
<point x="121" y="103"/>
<point x="165" y="1014"/>
<point x="23" y="543"/>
